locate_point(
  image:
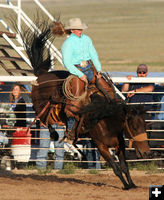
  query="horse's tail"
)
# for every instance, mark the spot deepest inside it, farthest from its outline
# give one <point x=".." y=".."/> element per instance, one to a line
<point x="36" y="50"/>
<point x="36" y="45"/>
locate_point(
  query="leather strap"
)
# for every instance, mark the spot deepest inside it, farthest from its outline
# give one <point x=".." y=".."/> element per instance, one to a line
<point x="39" y="115"/>
<point x="138" y="138"/>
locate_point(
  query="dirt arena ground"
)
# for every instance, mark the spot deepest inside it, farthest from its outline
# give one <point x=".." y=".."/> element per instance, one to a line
<point x="22" y="185"/>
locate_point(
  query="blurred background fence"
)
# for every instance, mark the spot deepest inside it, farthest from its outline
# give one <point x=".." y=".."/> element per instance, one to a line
<point x="155" y="133"/>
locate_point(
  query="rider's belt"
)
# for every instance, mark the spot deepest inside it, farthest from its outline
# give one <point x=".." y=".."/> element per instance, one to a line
<point x="84" y="63"/>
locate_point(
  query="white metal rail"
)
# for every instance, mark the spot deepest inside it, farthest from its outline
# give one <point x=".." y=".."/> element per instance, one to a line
<point x="21" y="16"/>
<point x="114" y="79"/>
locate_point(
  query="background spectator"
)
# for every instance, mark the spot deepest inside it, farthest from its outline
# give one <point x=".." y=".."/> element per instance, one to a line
<point x="6" y="121"/>
<point x="161" y="115"/>
<point x="16" y="99"/>
<point x="42" y="153"/>
<point x="158" y="126"/>
<point x="134" y="88"/>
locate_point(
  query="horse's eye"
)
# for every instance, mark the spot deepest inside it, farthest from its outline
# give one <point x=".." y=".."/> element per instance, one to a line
<point x="135" y="128"/>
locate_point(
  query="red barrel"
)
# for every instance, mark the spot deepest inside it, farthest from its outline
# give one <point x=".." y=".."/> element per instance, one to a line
<point x="21" y="145"/>
<point x="26" y="137"/>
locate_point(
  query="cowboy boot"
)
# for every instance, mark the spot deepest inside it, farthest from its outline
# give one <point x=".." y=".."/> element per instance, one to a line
<point x="105" y="87"/>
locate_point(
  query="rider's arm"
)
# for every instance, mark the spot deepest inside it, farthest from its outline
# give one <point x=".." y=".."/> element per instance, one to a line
<point x="94" y="56"/>
<point x="67" y="59"/>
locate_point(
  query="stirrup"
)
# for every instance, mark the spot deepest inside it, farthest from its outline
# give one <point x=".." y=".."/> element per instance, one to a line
<point x="69" y="134"/>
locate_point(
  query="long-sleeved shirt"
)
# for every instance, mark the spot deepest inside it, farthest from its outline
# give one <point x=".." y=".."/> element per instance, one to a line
<point x="16" y="107"/>
<point x="6" y="115"/>
<point x="77" y="49"/>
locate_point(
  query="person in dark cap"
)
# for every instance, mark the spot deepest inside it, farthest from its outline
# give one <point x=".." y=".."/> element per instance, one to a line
<point x="136" y="90"/>
<point x="142" y="69"/>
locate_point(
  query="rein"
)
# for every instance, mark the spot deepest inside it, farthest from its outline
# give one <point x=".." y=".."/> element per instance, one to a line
<point x="51" y="81"/>
<point x="138" y="138"/>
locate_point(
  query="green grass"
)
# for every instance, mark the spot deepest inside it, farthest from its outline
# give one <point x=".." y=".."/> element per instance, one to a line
<point x="30" y="167"/>
<point x="149" y="167"/>
<point x="125" y="33"/>
<point x="44" y="171"/>
<point x="69" y="168"/>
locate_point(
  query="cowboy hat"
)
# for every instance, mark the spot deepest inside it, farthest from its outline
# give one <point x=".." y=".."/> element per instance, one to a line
<point x="75" y="23"/>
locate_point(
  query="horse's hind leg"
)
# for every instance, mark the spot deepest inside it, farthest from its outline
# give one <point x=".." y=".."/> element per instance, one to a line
<point x="116" y="168"/>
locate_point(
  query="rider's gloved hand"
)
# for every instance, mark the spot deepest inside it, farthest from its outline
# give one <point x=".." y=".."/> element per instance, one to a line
<point x="98" y="75"/>
<point x="84" y="78"/>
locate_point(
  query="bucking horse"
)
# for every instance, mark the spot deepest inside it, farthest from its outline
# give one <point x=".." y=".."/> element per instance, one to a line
<point x="106" y="118"/>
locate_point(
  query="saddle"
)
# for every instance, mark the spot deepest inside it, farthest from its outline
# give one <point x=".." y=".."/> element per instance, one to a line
<point x="78" y="95"/>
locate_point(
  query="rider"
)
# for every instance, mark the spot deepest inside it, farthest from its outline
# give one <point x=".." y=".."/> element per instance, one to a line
<point x="80" y="58"/>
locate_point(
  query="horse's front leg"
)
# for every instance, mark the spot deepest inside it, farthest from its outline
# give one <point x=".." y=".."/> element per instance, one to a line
<point x="124" y="166"/>
<point x="125" y="169"/>
<point x="104" y="150"/>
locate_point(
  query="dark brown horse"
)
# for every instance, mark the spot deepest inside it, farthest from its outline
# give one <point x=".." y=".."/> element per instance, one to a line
<point x="105" y="122"/>
<point x="108" y="124"/>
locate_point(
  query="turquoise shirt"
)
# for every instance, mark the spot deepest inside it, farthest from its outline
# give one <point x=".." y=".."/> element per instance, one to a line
<point x="77" y="49"/>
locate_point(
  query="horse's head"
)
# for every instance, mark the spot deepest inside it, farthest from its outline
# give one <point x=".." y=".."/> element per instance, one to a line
<point x="135" y="129"/>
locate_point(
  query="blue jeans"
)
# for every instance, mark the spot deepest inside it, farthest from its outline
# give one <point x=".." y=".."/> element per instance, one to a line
<point x="70" y="123"/>
<point x="91" y="155"/>
<point x="45" y="145"/>
<point x="88" y="71"/>
<point x="3" y="138"/>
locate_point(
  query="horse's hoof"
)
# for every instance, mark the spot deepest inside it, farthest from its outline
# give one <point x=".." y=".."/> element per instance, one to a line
<point x="132" y="186"/>
<point x="126" y="188"/>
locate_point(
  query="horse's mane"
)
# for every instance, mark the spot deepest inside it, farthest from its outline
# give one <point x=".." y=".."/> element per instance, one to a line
<point x="100" y="108"/>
